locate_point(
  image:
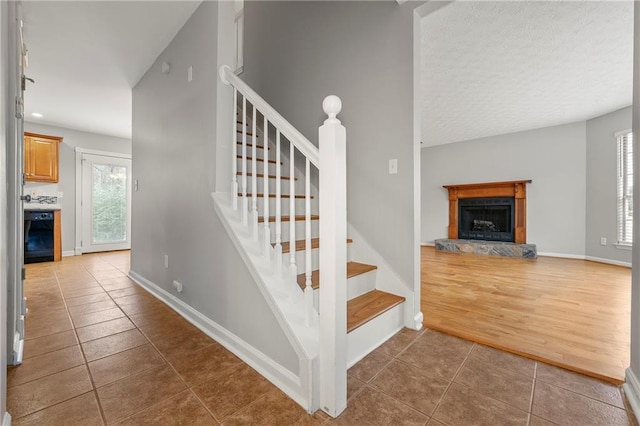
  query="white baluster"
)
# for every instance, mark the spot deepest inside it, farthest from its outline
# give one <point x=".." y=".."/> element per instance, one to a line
<point x="333" y="261"/>
<point x="254" y="177"/>
<point x="278" y="245"/>
<point x="308" y="289"/>
<point x="293" y="269"/>
<point x="234" y="152"/>
<point x="245" y="201"/>
<point x="265" y="184"/>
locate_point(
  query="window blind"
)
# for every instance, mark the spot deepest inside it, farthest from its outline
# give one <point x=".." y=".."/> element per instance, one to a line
<point x="625" y="187"/>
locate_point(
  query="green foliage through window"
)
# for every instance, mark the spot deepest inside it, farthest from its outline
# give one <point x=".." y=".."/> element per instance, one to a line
<point x="109" y="208"/>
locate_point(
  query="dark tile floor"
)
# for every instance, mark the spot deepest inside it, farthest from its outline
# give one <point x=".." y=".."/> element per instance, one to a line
<point x="100" y="350"/>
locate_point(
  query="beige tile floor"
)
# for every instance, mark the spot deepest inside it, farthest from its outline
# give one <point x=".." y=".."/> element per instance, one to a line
<point x="100" y="350"/>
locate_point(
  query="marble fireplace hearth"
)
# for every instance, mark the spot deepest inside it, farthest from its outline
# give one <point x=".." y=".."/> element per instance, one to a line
<point x="489" y="248"/>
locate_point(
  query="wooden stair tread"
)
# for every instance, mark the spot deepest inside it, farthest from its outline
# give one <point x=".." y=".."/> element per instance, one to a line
<point x="261" y="175"/>
<point x="353" y="270"/>
<point x="301" y="244"/>
<point x="257" y="159"/>
<point x="249" y="194"/>
<point x="248" y="134"/>
<point x="363" y="309"/>
<point x="287" y="218"/>
<point x="251" y="145"/>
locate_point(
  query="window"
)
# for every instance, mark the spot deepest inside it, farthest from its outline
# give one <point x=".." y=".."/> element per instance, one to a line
<point x="625" y="187"/>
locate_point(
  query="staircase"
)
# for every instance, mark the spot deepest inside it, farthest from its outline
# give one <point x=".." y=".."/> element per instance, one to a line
<point x="286" y="213"/>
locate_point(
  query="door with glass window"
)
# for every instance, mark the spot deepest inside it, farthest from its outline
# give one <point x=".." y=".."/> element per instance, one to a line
<point x="106" y="203"/>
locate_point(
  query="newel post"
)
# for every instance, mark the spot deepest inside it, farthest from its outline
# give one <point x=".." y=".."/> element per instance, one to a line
<point x="333" y="260"/>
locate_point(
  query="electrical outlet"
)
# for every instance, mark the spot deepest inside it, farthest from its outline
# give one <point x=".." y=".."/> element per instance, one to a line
<point x="393" y="166"/>
<point x="603" y="241"/>
<point x="166" y="261"/>
<point x="177" y="285"/>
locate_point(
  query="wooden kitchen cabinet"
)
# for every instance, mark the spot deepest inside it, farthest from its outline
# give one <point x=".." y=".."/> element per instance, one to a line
<point x="41" y="157"/>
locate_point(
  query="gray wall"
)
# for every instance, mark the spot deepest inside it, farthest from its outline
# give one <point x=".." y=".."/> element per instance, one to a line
<point x="554" y="158"/>
<point x="174" y="157"/>
<point x="296" y="53"/>
<point x="4" y="114"/>
<point x="602" y="183"/>
<point x="67" y="183"/>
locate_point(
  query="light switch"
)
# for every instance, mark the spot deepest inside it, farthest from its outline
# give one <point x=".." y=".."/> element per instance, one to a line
<point x="189" y="74"/>
<point x="393" y="166"/>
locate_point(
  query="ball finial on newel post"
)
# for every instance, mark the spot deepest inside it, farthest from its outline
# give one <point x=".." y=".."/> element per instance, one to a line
<point x="332" y="105"/>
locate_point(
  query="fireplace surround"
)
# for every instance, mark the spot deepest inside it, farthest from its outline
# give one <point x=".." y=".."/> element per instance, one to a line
<point x="498" y="209"/>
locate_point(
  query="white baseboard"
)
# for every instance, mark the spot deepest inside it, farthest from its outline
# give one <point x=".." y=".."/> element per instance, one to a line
<point x="583" y="257"/>
<point x="6" y="419"/>
<point x="428" y="244"/>
<point x="78" y="251"/>
<point x="288" y="382"/>
<point x="631" y="388"/>
<point x="418" y="320"/>
<point x="609" y="261"/>
<point x="69" y="253"/>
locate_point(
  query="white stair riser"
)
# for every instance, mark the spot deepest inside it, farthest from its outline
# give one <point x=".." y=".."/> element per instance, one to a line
<point x="356" y="286"/>
<point x="315" y="263"/>
<point x="284" y="183"/>
<point x="361" y="284"/>
<point x="300" y="230"/>
<point x="284" y="206"/>
<point x="364" y="339"/>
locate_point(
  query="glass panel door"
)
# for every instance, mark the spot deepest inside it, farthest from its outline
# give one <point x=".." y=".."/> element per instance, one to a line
<point x="106" y="207"/>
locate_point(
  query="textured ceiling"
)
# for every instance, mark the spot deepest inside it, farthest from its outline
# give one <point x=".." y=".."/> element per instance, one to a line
<point x="87" y="55"/>
<point x="491" y="68"/>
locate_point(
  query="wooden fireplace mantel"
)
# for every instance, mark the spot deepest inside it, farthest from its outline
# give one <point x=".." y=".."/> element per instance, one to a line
<point x="515" y="188"/>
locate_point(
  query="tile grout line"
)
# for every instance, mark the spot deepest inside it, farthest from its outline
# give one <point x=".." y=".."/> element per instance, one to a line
<point x="533" y="390"/>
<point x="189" y="388"/>
<point x="444" y="394"/>
<point x="85" y="363"/>
<point x="148" y="342"/>
<point x="84" y="356"/>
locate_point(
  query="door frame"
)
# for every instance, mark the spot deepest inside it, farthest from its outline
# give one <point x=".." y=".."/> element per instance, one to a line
<point x="16" y="304"/>
<point x="79" y="217"/>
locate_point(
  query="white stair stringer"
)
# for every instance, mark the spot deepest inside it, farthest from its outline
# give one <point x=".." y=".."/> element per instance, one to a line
<point x="290" y="315"/>
<point x="387" y="279"/>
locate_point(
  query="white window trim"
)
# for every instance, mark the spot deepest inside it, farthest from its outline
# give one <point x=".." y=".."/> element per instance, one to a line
<point x="622" y="245"/>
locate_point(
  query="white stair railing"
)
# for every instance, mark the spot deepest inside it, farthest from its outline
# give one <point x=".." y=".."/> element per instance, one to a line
<point x="331" y="158"/>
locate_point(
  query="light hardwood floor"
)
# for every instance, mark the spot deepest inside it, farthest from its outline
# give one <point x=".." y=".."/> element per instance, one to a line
<point x="571" y="313"/>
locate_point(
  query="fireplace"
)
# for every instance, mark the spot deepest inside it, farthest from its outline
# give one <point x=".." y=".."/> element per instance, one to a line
<point x="488" y="219"/>
<point x="494" y="211"/>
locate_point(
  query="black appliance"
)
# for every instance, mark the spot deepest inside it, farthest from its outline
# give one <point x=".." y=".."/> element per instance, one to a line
<point x="38" y="236"/>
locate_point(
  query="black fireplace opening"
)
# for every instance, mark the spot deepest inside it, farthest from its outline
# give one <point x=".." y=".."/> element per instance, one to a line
<point x="489" y="219"/>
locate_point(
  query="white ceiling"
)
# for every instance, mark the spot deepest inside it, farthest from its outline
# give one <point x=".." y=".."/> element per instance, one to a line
<point x="86" y="56"/>
<point x="491" y="68"/>
<point x="488" y="68"/>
